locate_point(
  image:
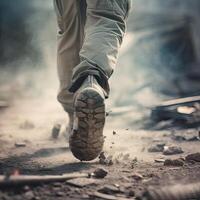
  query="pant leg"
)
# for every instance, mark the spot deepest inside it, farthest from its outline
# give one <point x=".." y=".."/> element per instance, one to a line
<point x="104" y="31"/>
<point x="71" y="21"/>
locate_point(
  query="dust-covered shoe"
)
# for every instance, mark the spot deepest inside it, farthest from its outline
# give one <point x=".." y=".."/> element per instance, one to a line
<point x="86" y="139"/>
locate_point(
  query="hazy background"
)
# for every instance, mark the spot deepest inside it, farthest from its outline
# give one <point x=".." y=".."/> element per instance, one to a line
<point x="159" y="58"/>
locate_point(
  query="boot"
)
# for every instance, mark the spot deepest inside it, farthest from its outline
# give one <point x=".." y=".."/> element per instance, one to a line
<point x="86" y="139"/>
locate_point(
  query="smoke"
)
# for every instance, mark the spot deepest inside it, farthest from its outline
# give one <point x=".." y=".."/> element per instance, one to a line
<point x="28" y="44"/>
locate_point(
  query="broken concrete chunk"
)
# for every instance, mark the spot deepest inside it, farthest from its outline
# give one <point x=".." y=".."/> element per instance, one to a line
<point x="175" y="162"/>
<point x="193" y="157"/>
<point x="100" y="173"/>
<point x="172" y="150"/>
<point x="55" y="131"/>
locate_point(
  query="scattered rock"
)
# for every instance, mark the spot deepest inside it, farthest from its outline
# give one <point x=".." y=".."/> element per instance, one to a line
<point x="193" y="139"/>
<point x="156" y="148"/>
<point x="105" y="159"/>
<point x="26" y="188"/>
<point x="131" y="193"/>
<point x="81" y="182"/>
<point x="159" y="160"/>
<point x="27" y="125"/>
<point x="60" y="194"/>
<point x="55" y="131"/>
<point x="20" y="144"/>
<point x="114" y="133"/>
<point x="176" y="162"/>
<point x="109" y="189"/>
<point x="193" y="157"/>
<point x="178" y="138"/>
<point x="57" y="184"/>
<point x="172" y="150"/>
<point x="100" y="173"/>
<point x="103" y="196"/>
<point x="137" y="176"/>
<point x="29" y="195"/>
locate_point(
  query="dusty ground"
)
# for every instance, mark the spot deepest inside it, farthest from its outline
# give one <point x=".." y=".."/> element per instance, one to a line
<point x="32" y="124"/>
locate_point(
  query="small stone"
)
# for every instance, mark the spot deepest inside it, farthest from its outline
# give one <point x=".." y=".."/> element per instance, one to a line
<point x="178" y="138"/>
<point x="137" y="176"/>
<point x="172" y="150"/>
<point x="193" y="139"/>
<point x="131" y="193"/>
<point x="60" y="194"/>
<point x="105" y="159"/>
<point x="29" y="195"/>
<point x="160" y="160"/>
<point x="156" y="148"/>
<point x="20" y="144"/>
<point x="26" y="188"/>
<point x="55" y="131"/>
<point x="100" y="173"/>
<point x="57" y="184"/>
<point x="176" y="162"/>
<point x="114" y="133"/>
<point x="193" y="157"/>
<point x="109" y="189"/>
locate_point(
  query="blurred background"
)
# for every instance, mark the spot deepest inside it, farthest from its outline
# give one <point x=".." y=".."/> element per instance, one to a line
<point x="159" y="59"/>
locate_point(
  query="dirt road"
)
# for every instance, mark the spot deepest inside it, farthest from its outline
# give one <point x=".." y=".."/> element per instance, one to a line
<point x="27" y="148"/>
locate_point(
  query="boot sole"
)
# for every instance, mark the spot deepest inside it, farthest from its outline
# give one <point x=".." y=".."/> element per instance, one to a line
<point x="86" y="141"/>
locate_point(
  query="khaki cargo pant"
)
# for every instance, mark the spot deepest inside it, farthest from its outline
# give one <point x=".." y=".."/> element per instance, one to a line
<point x="89" y="37"/>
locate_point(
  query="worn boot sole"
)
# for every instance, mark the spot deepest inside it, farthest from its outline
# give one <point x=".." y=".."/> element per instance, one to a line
<point x="86" y="140"/>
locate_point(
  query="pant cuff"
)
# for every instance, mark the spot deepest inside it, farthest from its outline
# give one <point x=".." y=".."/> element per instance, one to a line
<point x="100" y="77"/>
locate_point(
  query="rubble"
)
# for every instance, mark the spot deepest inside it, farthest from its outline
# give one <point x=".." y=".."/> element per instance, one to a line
<point x="172" y="150"/>
<point x="183" y="111"/>
<point x="55" y="131"/>
<point x="156" y="148"/>
<point x="137" y="176"/>
<point x="114" y="132"/>
<point x="159" y="160"/>
<point x="109" y="189"/>
<point x="29" y="195"/>
<point x="175" y="162"/>
<point x="193" y="157"/>
<point x="105" y="159"/>
<point x="100" y="173"/>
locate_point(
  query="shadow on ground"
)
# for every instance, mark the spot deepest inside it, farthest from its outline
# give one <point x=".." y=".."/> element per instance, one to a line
<point x="28" y="164"/>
